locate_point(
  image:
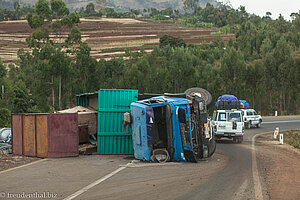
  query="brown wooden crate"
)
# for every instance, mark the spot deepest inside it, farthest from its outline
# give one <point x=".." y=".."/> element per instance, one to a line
<point x="41" y="136"/>
<point x="29" y="139"/>
<point x="17" y="134"/>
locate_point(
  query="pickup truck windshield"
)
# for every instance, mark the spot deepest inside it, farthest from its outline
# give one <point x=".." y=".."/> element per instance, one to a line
<point x="234" y="117"/>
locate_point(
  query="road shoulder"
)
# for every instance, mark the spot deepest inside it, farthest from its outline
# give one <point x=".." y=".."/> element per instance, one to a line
<point x="278" y="166"/>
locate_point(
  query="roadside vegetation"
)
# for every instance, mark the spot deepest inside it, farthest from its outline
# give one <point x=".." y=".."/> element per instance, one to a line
<point x="292" y="138"/>
<point x="261" y="63"/>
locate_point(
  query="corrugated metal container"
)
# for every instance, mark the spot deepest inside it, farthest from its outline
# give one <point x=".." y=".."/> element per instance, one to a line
<point x="17" y="136"/>
<point x="82" y="100"/>
<point x="45" y="135"/>
<point x="63" y="136"/>
<point x="113" y="103"/>
<point x="88" y="100"/>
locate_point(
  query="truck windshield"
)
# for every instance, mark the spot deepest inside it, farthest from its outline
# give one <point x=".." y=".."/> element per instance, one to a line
<point x="234" y="117"/>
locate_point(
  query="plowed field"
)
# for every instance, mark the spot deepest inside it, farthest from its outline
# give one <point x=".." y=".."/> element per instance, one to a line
<point x="108" y="37"/>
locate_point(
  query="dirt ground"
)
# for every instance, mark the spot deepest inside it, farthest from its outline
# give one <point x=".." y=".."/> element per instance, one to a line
<point x="279" y="167"/>
<point x="8" y="161"/>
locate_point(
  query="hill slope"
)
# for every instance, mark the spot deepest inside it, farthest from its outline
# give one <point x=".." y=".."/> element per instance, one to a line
<point x="120" y="4"/>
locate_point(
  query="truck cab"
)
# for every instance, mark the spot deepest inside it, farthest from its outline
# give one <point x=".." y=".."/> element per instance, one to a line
<point x="170" y="129"/>
<point x="228" y="124"/>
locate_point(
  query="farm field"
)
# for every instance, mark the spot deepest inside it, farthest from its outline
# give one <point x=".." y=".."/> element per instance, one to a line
<point x="108" y="37"/>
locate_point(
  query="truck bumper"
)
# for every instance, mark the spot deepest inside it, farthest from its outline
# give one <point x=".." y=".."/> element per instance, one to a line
<point x="228" y="135"/>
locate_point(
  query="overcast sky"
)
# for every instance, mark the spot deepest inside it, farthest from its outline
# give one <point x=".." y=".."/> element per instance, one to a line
<point x="260" y="7"/>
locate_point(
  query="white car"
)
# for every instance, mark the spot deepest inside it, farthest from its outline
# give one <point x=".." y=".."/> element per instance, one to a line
<point x="229" y="124"/>
<point x="251" y="118"/>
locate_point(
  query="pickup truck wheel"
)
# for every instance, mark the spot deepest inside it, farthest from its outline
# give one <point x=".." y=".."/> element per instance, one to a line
<point x="240" y="140"/>
<point x="249" y="125"/>
<point x="258" y="125"/>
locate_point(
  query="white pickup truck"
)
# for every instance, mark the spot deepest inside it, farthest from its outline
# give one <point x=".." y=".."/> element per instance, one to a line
<point x="229" y="124"/>
<point x="251" y="118"/>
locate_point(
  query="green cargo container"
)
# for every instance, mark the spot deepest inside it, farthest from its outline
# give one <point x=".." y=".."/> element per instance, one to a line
<point x="113" y="103"/>
<point x="83" y="99"/>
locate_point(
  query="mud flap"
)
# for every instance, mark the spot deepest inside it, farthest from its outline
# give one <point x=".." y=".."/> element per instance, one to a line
<point x="190" y="156"/>
<point x="212" y="145"/>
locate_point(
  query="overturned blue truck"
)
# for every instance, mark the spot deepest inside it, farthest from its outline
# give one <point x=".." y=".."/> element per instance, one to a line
<point x="171" y="127"/>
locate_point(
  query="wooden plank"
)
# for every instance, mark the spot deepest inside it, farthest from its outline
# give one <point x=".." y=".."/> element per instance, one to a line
<point x="17" y="134"/>
<point x="29" y="138"/>
<point x="41" y="136"/>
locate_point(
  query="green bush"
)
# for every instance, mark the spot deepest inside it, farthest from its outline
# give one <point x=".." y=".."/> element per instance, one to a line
<point x="4" y="117"/>
<point x="171" y="41"/>
<point x="292" y="138"/>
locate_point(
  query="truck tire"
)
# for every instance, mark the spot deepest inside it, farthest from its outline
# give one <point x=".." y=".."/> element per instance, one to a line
<point x="258" y="125"/>
<point x="204" y="94"/>
<point x="240" y="140"/>
<point x="249" y="125"/>
<point x="234" y="140"/>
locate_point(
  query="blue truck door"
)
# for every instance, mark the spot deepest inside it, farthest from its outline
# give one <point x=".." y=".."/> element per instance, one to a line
<point x="140" y="125"/>
<point x="185" y="133"/>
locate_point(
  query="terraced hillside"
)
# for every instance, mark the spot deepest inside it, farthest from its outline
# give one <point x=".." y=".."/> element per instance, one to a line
<point x="109" y="37"/>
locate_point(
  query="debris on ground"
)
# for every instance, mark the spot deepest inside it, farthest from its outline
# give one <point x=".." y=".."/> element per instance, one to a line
<point x="5" y="141"/>
<point x="87" y="149"/>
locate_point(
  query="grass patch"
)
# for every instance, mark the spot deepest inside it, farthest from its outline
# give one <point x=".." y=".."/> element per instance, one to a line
<point x="123" y="48"/>
<point x="88" y="29"/>
<point x="292" y="138"/>
<point x="217" y="33"/>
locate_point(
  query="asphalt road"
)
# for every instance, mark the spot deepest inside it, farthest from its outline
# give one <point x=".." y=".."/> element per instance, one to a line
<point x="236" y="180"/>
<point x="229" y="174"/>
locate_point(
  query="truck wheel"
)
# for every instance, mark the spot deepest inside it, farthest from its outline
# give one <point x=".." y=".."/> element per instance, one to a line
<point x="258" y="125"/>
<point x="240" y="140"/>
<point x="249" y="125"/>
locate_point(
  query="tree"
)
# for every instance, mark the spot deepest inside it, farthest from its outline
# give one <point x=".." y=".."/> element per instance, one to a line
<point x="232" y="17"/>
<point x="171" y="41"/>
<point x="22" y="101"/>
<point x="90" y="9"/>
<point x="3" y="70"/>
<point x="5" y="117"/>
<point x="17" y="10"/>
<point x="191" y="5"/>
<point x="233" y="72"/>
<point x="281" y="25"/>
<point x="49" y="56"/>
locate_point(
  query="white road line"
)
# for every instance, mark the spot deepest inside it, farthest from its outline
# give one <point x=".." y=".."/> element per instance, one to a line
<point x="274" y="122"/>
<point x="239" y="194"/>
<point x="86" y="188"/>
